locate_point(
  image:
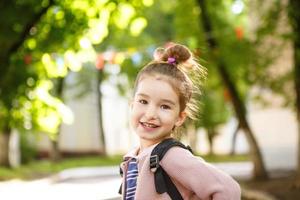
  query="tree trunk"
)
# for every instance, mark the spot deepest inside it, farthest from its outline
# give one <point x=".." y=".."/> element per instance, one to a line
<point x="5" y="77"/>
<point x="14" y="149"/>
<point x="99" y="100"/>
<point x="233" y="142"/>
<point x="294" y="15"/>
<point x="55" y="154"/>
<point x="239" y="107"/>
<point x="4" y="59"/>
<point x="4" y="147"/>
<point x="211" y="135"/>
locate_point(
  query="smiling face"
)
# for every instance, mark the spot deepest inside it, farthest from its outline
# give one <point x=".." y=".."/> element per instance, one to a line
<point x="155" y="110"/>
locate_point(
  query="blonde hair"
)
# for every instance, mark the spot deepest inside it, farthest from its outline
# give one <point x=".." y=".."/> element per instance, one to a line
<point x="182" y="71"/>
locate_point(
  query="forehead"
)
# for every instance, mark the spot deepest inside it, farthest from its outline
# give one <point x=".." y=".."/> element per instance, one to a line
<point x="157" y="86"/>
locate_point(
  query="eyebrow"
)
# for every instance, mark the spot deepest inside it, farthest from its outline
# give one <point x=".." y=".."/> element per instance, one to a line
<point x="164" y="100"/>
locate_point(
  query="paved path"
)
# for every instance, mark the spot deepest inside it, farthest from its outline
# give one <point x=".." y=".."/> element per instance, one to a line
<point x="91" y="183"/>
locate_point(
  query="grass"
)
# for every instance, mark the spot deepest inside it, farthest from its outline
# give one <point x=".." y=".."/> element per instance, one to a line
<point x="225" y="158"/>
<point x="42" y="168"/>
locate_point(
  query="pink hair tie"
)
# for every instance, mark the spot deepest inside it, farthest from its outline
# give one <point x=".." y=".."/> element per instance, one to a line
<point x="172" y="60"/>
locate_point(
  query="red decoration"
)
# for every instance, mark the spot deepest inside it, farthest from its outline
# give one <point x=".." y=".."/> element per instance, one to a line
<point x="226" y="94"/>
<point x="27" y="59"/>
<point x="100" y="62"/>
<point x="239" y="33"/>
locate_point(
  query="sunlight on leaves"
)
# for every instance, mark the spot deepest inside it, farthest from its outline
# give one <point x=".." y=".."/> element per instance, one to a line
<point x="119" y="58"/>
<point x="53" y="68"/>
<point x="81" y="5"/>
<point x="137" y="26"/>
<point x="86" y="55"/>
<point x="42" y="92"/>
<point x="85" y="43"/>
<point x="59" y="15"/>
<point x="148" y="2"/>
<point x="111" y="6"/>
<point x="50" y="117"/>
<point x="124" y="15"/>
<point x="98" y="27"/>
<point x="31" y="43"/>
<point x="91" y="12"/>
<point x="72" y="61"/>
<point x="49" y="120"/>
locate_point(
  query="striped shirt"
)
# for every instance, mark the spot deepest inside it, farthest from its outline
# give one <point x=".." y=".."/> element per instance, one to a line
<point x="131" y="177"/>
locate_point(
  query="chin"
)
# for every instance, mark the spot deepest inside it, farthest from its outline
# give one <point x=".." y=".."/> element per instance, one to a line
<point x="147" y="136"/>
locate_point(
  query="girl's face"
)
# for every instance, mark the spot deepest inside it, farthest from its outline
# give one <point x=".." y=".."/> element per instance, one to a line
<point x="155" y="110"/>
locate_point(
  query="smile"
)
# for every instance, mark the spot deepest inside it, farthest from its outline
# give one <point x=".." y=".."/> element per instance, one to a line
<point x="148" y="125"/>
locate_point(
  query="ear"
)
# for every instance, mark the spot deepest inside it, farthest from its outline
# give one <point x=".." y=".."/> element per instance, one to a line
<point x="181" y="118"/>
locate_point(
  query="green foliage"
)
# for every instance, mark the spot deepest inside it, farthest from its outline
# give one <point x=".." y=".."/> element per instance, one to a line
<point x="215" y="110"/>
<point x="270" y="39"/>
<point x="225" y="158"/>
<point x="24" y="66"/>
<point x="39" y="47"/>
<point x="28" y="148"/>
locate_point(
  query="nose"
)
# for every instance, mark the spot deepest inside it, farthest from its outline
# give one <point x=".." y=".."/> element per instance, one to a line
<point x="150" y="112"/>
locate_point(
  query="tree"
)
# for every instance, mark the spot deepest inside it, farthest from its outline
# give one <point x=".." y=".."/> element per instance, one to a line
<point x="100" y="76"/>
<point x="214" y="111"/>
<point x="238" y="104"/>
<point x="54" y="152"/>
<point x="271" y="38"/>
<point x="38" y="48"/>
<point x="294" y="17"/>
<point x="12" y="39"/>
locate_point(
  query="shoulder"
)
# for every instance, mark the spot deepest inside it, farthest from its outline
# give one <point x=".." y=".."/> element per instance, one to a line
<point x="199" y="176"/>
<point x="179" y="156"/>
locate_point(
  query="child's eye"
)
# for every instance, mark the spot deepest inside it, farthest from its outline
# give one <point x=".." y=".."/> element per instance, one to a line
<point x="142" y="101"/>
<point x="165" y="107"/>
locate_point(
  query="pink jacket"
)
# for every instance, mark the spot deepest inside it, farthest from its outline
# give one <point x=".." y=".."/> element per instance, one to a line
<point x="194" y="178"/>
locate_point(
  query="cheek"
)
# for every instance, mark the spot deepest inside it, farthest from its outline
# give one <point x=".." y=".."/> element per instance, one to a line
<point x="134" y="114"/>
<point x="169" y="116"/>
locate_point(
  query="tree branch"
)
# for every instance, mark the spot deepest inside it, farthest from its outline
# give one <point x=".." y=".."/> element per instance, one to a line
<point x="27" y="28"/>
<point x="18" y="43"/>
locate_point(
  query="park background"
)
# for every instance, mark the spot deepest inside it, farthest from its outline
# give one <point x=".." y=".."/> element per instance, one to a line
<point x="67" y="70"/>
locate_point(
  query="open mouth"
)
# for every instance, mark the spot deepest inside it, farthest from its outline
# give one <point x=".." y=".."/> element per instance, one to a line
<point x="148" y="125"/>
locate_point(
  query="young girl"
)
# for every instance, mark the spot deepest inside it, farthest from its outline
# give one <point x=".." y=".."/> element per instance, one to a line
<point x="163" y="96"/>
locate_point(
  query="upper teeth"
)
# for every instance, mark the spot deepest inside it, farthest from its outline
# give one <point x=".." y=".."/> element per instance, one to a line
<point x="150" y="125"/>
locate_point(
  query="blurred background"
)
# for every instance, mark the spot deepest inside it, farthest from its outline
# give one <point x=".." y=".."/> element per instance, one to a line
<point x="67" y="70"/>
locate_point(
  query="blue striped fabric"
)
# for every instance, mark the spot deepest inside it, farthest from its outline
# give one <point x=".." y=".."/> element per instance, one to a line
<point x="131" y="177"/>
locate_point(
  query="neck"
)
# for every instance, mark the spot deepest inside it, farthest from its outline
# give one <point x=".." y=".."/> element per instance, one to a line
<point x="147" y="143"/>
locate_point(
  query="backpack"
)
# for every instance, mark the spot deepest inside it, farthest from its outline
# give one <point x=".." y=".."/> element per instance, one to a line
<point x="162" y="181"/>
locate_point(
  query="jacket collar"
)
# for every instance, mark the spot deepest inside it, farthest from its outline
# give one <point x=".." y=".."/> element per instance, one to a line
<point x="134" y="153"/>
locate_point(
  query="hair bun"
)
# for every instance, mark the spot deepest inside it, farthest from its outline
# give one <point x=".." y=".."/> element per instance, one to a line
<point x="180" y="52"/>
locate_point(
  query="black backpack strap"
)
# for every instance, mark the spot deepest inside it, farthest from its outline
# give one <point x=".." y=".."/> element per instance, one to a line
<point x="163" y="182"/>
<point x="121" y="174"/>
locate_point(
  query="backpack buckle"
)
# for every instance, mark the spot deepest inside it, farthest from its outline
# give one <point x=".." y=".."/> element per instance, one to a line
<point x="154" y="163"/>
